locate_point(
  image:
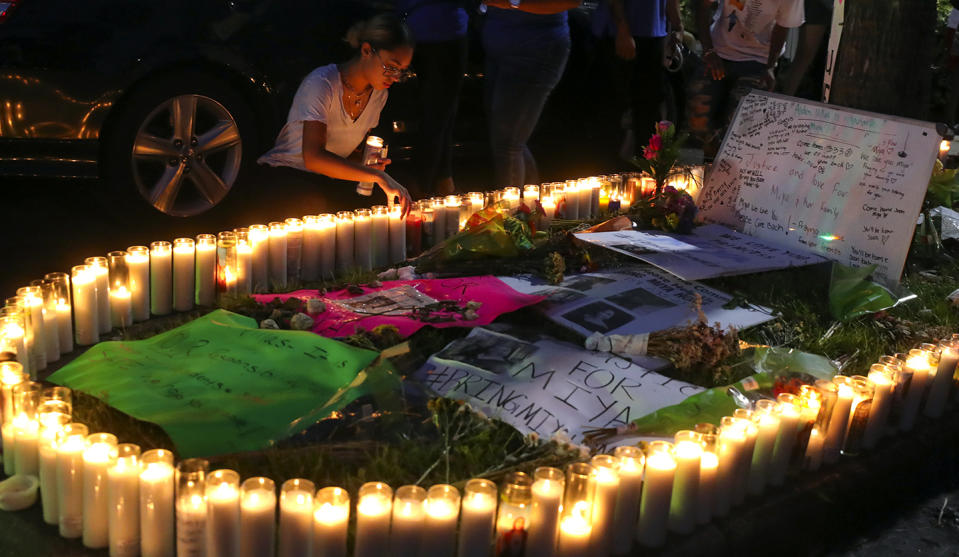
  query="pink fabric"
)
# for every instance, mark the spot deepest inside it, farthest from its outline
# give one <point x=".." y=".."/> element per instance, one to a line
<point x="496" y="297"/>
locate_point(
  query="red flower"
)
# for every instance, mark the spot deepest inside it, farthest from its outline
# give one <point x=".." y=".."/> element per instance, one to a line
<point x="663" y="126"/>
<point x="656" y="142"/>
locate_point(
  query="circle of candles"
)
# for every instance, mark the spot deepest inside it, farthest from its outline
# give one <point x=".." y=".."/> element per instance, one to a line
<point x="331" y="517"/>
<point x="687" y="453"/>
<point x="657" y="489"/>
<point x="838" y="418"/>
<point x="278" y="255"/>
<point x="70" y="445"/>
<point x="205" y="270"/>
<point x="442" y="513"/>
<point x="409" y="517"/>
<point x="184" y="274"/>
<point x="380" y="236"/>
<point x="26" y="429"/>
<point x="260" y="244"/>
<point x="373" y="508"/>
<point x="244" y="262"/>
<point x="222" y="513"/>
<point x="632" y="461"/>
<point x="576" y="527"/>
<point x="161" y="278"/>
<point x="512" y="519"/>
<point x="605" y="479"/>
<point x="362" y="239"/>
<point x="156" y="503"/>
<point x="548" y="486"/>
<point x="862" y="403"/>
<point x="100" y="268"/>
<point x="53" y="416"/>
<point x="85" y="312"/>
<point x="789" y="413"/>
<point x="708" y="465"/>
<point x="138" y="269"/>
<point x="883" y="379"/>
<point x="477" y="515"/>
<point x="99" y="456"/>
<point x="941" y="383"/>
<point x="123" y="497"/>
<point x="296" y="518"/>
<point x="738" y="493"/>
<point x="344" y="241"/>
<point x="257" y="517"/>
<point x="397" y="234"/>
<point x="294" y="248"/>
<point x="64" y="312"/>
<point x="191" y="509"/>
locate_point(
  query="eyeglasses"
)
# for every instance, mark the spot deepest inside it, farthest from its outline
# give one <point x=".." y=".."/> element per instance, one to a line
<point x="392" y="71"/>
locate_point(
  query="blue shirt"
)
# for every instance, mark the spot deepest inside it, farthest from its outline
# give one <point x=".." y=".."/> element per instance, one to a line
<point x="433" y="21"/>
<point x="510" y="25"/>
<point x="646" y="18"/>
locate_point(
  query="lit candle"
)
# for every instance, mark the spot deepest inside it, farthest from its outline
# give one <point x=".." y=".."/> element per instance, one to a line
<point x="549" y="207"/>
<point x="222" y="513"/>
<point x="85" y="310"/>
<point x="26" y="453"/>
<point x="882" y="378"/>
<point x="657" y="489"/>
<point x="17" y="338"/>
<point x="738" y="492"/>
<point x="121" y="307"/>
<point x="571" y="204"/>
<point x="548" y="484"/>
<point x="605" y="479"/>
<point x="48" y="311"/>
<point x="123" y="496"/>
<point x="101" y="271"/>
<point x="204" y="278"/>
<point x="373" y="151"/>
<point x="257" y="517"/>
<point x="310" y="262"/>
<point x="260" y="243"/>
<point x="427" y="216"/>
<point x="594" y="191"/>
<point x="687" y="452"/>
<point x="631" y="464"/>
<point x="511" y="197"/>
<point x="296" y="518"/>
<point x="184" y="274"/>
<point x="409" y="517"/>
<point x="397" y="234"/>
<point x="810" y="408"/>
<point x="440" y="227"/>
<point x="941" y="384"/>
<point x="900" y="380"/>
<point x="226" y="263"/>
<point x="919" y="363"/>
<point x="647" y="186"/>
<point x="373" y="509"/>
<point x="138" y="266"/>
<point x="531" y="195"/>
<point x="813" y="458"/>
<point x="583" y="198"/>
<point x="244" y="262"/>
<point x="331" y="517"/>
<point x="326" y="224"/>
<point x="8" y="431"/>
<point x="191" y="508"/>
<point x="344" y="241"/>
<point x="478" y="513"/>
<point x="452" y="203"/>
<point x="863" y="393"/>
<point x="99" y="456"/>
<point x="362" y="239"/>
<point x="156" y="504"/>
<point x="70" y="445"/>
<point x="380" y="236"/>
<point x="64" y="312"/>
<point x="708" y="465"/>
<point x="512" y="520"/>
<point x="278" y="255"/>
<point x="838" y="419"/>
<point x="54" y="415"/>
<point x="11" y="375"/>
<point x="442" y="512"/>
<point x="575" y="532"/>
<point x="294" y="248"/>
<point x="477" y="201"/>
<point x="161" y="278"/>
<point x="789" y="413"/>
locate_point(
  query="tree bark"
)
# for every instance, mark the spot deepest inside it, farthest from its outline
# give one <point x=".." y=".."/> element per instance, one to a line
<point x="885" y="57"/>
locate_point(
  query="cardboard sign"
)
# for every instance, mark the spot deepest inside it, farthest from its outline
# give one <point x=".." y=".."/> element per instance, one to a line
<point x="710" y="251"/>
<point x="842" y="183"/>
<point x="544" y="386"/>
<point x="219" y="384"/>
<point x="633" y="300"/>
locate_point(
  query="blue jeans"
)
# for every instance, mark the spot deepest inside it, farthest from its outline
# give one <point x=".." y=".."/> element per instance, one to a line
<point x="712" y="104"/>
<point x="520" y="74"/>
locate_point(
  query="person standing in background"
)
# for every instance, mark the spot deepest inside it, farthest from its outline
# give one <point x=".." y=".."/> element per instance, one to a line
<point x="440" y="61"/>
<point x="526" y="43"/>
<point x="811" y="36"/>
<point x="633" y="34"/>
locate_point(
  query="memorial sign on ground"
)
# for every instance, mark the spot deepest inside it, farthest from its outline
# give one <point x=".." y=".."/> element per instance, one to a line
<point x="843" y="183"/>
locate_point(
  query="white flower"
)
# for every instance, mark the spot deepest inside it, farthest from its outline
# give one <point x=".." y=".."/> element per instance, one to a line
<point x="470" y="315"/>
<point x="561" y="437"/>
<point x="473" y="304"/>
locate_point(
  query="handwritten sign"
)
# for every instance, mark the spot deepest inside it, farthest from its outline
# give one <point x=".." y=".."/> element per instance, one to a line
<point x="710" y="251"/>
<point x="394" y="302"/>
<point x="842" y="183"/>
<point x="219" y="384"/>
<point x="546" y="386"/>
<point x="636" y="299"/>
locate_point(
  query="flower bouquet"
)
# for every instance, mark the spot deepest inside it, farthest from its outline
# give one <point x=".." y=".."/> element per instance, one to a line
<point x="670" y="210"/>
<point x="661" y="154"/>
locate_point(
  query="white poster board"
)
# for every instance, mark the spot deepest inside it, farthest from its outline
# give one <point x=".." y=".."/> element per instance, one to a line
<point x="709" y="251"/>
<point x="633" y="300"/>
<point x="546" y="386"/>
<point x="843" y="183"/>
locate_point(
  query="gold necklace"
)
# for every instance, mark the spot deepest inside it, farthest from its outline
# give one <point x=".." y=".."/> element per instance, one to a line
<point x="357" y="96"/>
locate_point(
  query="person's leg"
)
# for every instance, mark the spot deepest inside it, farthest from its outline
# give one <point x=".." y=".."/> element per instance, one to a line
<point x="742" y="78"/>
<point x="455" y="69"/>
<point x="647" y="89"/>
<point x="810" y="37"/>
<point x="704" y="100"/>
<point x="524" y="79"/>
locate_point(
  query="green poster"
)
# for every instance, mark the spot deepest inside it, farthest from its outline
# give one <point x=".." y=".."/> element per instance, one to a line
<point x="219" y="384"/>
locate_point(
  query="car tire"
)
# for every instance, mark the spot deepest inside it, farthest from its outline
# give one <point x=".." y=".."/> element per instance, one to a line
<point x="178" y="144"/>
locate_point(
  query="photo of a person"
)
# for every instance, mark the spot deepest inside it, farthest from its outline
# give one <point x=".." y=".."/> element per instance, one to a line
<point x="489" y="351"/>
<point x="586" y="282"/>
<point x="560" y="295"/>
<point x="640" y="300"/>
<point x="598" y="317"/>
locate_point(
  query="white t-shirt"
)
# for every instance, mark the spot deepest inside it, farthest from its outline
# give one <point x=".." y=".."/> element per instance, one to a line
<point x="319" y="99"/>
<point x="742" y="29"/>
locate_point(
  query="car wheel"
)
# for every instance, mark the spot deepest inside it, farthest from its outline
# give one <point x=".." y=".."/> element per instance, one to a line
<point x="178" y="143"/>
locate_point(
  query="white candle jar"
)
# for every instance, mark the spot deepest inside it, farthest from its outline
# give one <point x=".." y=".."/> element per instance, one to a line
<point x="222" y="494"/>
<point x="409" y="518"/>
<point x="26" y="428"/>
<point x="362" y="239"/>
<point x="260" y="243"/>
<point x="632" y="463"/>
<point x="138" y="267"/>
<point x="161" y="278"/>
<point x="344" y="241"/>
<point x="121" y="298"/>
<point x="657" y="489"/>
<point x="296" y="518"/>
<point x="184" y="274"/>
<point x="226" y="264"/>
<point x="708" y="466"/>
<point x="547" y="489"/>
<point x="513" y="515"/>
<point x="157" y="485"/>
<point x="687" y="453"/>
<point x="575" y="526"/>
<point x="278" y="255"/>
<point x="100" y="268"/>
<point x="331" y="517"/>
<point x="205" y="270"/>
<point x="191" y="511"/>
<point x="244" y="262"/>
<point x="294" y="249"/>
<point x="257" y="517"/>
<point x="442" y="514"/>
<point x="85" y="310"/>
<point x="99" y="456"/>
<point x="70" y="446"/>
<point x="380" y="236"/>
<point x="11" y="375"/>
<point x="605" y="479"/>
<point x="123" y="497"/>
<point x="477" y="516"/>
<point x="64" y="312"/>
<point x="51" y="333"/>
<point x="373" y="509"/>
<point x="53" y="416"/>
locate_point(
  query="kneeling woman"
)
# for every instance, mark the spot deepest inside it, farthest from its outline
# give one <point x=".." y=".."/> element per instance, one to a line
<point x="337" y="105"/>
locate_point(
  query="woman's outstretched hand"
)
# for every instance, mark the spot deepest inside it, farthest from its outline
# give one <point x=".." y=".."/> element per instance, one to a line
<point x="394" y="189"/>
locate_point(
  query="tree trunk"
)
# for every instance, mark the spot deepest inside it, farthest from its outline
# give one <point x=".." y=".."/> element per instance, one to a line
<point x="885" y="56"/>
